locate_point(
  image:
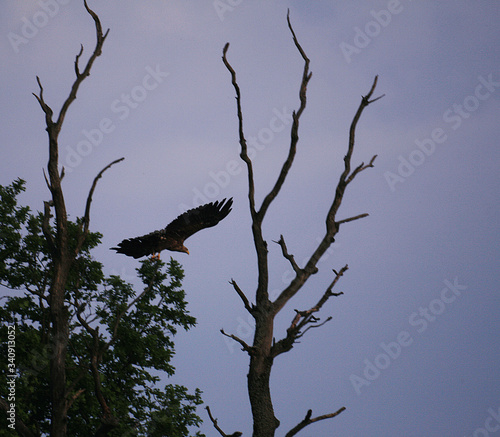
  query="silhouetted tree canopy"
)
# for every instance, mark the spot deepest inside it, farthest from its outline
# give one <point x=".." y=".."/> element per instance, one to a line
<point x="129" y="339"/>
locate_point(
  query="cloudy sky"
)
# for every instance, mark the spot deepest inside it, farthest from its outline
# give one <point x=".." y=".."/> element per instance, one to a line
<point x="412" y="349"/>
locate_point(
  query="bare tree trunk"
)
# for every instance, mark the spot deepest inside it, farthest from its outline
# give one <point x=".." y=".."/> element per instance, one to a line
<point x="60" y="333"/>
<point x="58" y="311"/>
<point x="62" y="255"/>
<point x="259" y="374"/>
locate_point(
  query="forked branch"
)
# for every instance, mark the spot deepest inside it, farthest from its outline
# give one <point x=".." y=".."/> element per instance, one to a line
<point x="80" y="76"/>
<point x="305" y="320"/>
<point x="54" y="128"/>
<point x="361" y="166"/>
<point x="345" y="177"/>
<point x="308" y="420"/>
<point x="262" y="297"/>
<point x="332" y="226"/>
<point x="306" y="76"/>
<point x="217" y="427"/>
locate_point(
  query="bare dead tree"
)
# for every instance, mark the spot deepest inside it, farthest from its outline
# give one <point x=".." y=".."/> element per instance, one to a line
<point x="265" y="348"/>
<point x="62" y="254"/>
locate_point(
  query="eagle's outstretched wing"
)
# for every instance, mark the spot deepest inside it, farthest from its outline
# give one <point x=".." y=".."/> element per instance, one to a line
<point x="196" y="219"/>
<point x="172" y="237"/>
<point x="140" y="246"/>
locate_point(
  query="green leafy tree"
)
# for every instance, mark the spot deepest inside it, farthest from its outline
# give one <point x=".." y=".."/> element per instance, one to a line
<point x="119" y="342"/>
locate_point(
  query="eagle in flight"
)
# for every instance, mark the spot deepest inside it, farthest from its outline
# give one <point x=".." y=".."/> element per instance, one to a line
<point x="172" y="237"/>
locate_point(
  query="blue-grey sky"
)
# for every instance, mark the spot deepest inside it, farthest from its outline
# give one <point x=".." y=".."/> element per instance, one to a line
<point x="412" y="349"/>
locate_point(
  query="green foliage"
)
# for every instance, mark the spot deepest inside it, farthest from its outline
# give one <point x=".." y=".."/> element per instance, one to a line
<point x="129" y="332"/>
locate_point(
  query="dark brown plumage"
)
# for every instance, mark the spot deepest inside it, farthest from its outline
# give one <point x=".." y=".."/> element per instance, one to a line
<point x="172" y="237"/>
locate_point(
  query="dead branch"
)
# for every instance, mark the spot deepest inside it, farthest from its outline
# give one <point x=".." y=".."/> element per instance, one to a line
<point x="285" y="253"/>
<point x="298" y="327"/>
<point x="332" y="226"/>
<point x="244" y="345"/>
<point x="80" y="76"/>
<point x="245" y="300"/>
<point x="222" y="433"/>
<point x="45" y="108"/>
<point x="243" y="143"/>
<point x="317" y="325"/>
<point x="307" y="421"/>
<point x="350" y="219"/>
<point x="362" y="166"/>
<point x="328" y="293"/>
<point x="54" y="128"/>
<point x="306" y="76"/>
<point x="345" y="179"/>
<point x="262" y="297"/>
<point x="84" y="225"/>
<point x="98" y="28"/>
